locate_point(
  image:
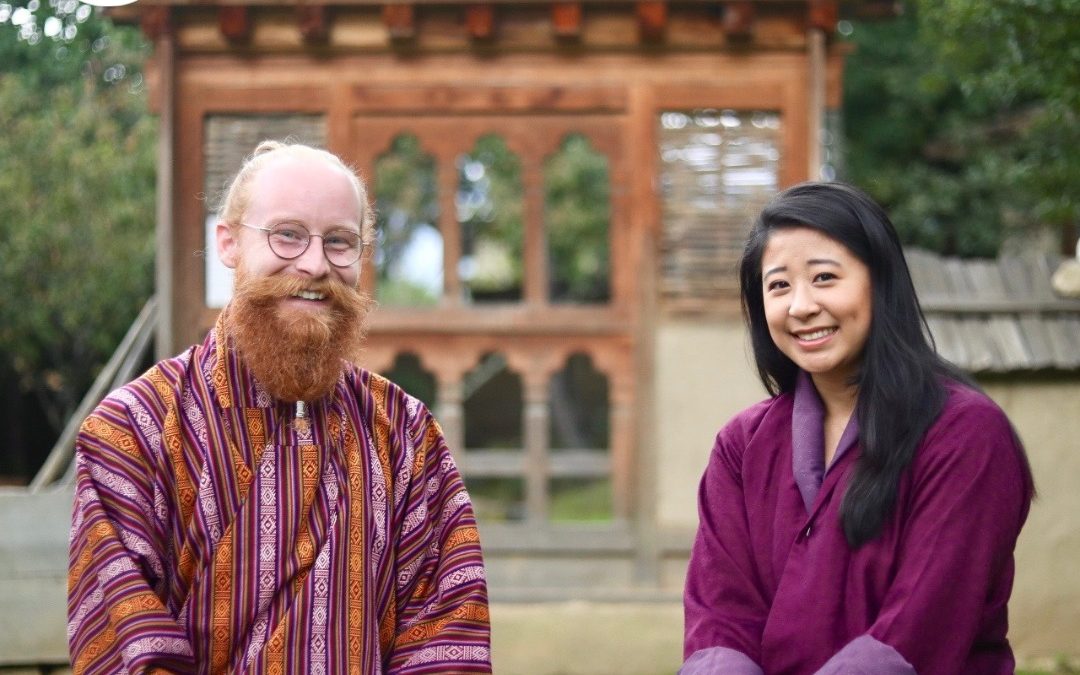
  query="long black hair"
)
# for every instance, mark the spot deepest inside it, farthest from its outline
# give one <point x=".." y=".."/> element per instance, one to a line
<point x="900" y="378"/>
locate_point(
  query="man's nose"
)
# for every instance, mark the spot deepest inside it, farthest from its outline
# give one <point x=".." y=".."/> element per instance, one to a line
<point x="313" y="261"/>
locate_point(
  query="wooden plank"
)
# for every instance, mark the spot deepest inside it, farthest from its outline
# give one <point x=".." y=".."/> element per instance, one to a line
<point x="981" y="354"/>
<point x="1038" y="341"/>
<point x="1009" y="343"/>
<point x="1016" y="276"/>
<point x="947" y="339"/>
<point x="941" y="303"/>
<point x="445" y="100"/>
<point x="1064" y="334"/>
<point x="985" y="279"/>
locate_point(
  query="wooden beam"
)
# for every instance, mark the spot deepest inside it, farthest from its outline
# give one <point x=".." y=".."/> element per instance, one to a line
<point x="400" y="21"/>
<point x="480" y="21"/>
<point x="652" y="16"/>
<point x="312" y="22"/>
<point x="823" y="15"/>
<point x="156" y="21"/>
<point x="566" y="20"/>
<point x="739" y="19"/>
<point x="234" y="22"/>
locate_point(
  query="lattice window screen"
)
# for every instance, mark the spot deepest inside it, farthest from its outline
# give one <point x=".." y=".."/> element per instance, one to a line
<point x="229" y="140"/>
<point x="718" y="168"/>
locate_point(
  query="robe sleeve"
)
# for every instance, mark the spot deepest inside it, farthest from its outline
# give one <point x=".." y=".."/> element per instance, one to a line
<point x="117" y="621"/>
<point x="725" y="604"/>
<point x="442" y="621"/>
<point x="970" y="495"/>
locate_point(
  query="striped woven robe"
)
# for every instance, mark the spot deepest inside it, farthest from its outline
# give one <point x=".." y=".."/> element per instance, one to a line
<point x="214" y="533"/>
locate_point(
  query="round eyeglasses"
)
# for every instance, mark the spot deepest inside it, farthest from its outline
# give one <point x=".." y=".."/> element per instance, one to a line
<point x="289" y="240"/>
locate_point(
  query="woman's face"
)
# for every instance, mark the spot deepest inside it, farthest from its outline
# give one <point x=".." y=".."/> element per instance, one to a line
<point x="818" y="303"/>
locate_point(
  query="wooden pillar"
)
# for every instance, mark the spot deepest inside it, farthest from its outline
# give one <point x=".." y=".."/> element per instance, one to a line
<point x="535" y="249"/>
<point x="449" y="226"/>
<point x="158" y="20"/>
<point x="815" y="118"/>
<point x="621" y="423"/>
<point x="450" y="411"/>
<point x="536" y="446"/>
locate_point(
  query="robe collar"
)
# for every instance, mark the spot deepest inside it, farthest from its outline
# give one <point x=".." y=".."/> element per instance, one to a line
<point x="808" y="439"/>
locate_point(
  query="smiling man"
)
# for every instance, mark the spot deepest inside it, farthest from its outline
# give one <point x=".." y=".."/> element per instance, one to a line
<point x="261" y="504"/>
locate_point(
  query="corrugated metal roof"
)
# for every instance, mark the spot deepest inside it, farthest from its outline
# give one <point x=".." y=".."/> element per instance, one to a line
<point x="998" y="315"/>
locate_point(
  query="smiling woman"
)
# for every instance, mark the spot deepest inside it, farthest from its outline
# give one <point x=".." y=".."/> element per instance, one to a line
<point x="895" y="488"/>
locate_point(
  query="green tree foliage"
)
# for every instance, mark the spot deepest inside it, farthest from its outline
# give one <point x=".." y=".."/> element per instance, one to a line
<point x="77" y="179"/>
<point x="961" y="117"/>
<point x="491" y="212"/>
<point x="1021" y="59"/>
<point x="577" y="212"/>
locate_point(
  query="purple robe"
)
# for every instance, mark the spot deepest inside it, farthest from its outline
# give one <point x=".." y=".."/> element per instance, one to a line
<point x="773" y="586"/>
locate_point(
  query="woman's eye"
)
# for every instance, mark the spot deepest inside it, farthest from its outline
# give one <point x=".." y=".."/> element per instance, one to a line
<point x="824" y="276"/>
<point x="776" y="285"/>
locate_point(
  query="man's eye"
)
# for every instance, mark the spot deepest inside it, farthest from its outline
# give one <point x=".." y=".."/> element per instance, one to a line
<point x="342" y="241"/>
<point x="289" y="234"/>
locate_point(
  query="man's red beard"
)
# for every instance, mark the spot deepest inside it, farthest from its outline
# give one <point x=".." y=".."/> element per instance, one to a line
<point x="296" y="354"/>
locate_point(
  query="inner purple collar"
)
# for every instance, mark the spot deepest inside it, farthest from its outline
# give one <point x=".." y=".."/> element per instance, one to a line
<point x="808" y="439"/>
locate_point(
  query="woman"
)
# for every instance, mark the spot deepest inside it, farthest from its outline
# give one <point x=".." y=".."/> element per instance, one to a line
<point x="863" y="518"/>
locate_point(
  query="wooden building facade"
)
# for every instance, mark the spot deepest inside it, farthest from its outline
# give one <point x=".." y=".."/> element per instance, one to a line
<point x="554" y="180"/>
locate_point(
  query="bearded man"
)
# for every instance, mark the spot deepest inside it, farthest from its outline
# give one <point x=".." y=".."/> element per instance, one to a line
<point x="259" y="503"/>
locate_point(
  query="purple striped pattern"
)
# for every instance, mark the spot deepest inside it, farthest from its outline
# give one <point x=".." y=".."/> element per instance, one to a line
<point x="211" y="534"/>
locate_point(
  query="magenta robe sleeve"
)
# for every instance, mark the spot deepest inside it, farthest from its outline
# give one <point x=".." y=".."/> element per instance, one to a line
<point x="725" y="601"/>
<point x="968" y="498"/>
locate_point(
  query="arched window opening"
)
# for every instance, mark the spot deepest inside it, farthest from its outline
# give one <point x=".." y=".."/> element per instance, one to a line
<point x="580" y="488"/>
<point x="409" y="374"/>
<point x="409" y="245"/>
<point x="577" y="211"/>
<point x="490" y="212"/>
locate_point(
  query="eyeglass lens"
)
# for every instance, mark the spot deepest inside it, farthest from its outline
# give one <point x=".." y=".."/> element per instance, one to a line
<point x="290" y="240"/>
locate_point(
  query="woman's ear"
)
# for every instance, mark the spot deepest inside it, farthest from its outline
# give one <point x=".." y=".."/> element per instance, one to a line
<point x="228" y="244"/>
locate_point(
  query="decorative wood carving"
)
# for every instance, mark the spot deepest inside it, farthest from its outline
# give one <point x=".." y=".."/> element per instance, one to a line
<point x="823" y="14"/>
<point x="739" y="20"/>
<point x="314" y="27"/>
<point x="480" y="21"/>
<point x="652" y="16"/>
<point x="400" y="21"/>
<point x="234" y="22"/>
<point x="566" y="20"/>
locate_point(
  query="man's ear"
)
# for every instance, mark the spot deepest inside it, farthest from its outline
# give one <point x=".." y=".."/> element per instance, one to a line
<point x="228" y="244"/>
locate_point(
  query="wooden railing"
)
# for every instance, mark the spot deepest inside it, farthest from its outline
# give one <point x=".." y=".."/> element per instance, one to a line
<point x="120" y="369"/>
